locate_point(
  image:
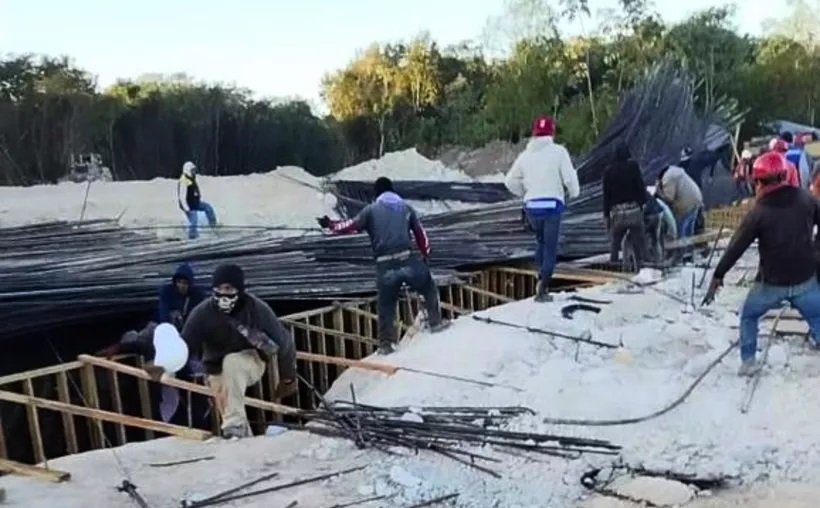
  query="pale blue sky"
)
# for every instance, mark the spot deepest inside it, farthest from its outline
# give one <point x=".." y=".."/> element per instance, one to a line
<point x="274" y="47"/>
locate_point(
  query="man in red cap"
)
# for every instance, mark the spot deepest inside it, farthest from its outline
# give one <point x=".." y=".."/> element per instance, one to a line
<point x="782" y="221"/>
<point x="544" y="177"/>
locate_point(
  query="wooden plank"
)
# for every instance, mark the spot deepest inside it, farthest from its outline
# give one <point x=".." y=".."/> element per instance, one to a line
<point x="346" y="362"/>
<point x="51" y="475"/>
<point x="116" y="404"/>
<point x="45" y="371"/>
<point x="35" y="434"/>
<point x="98" y="415"/>
<point x="313" y="328"/>
<point x="324" y="374"/>
<point x="4" y="452"/>
<point x="691" y="241"/>
<point x="309" y="349"/>
<point x="358" y="350"/>
<point x="490" y="294"/>
<point x="455" y="310"/>
<point x="368" y="332"/>
<point x="145" y="397"/>
<point x="184" y="385"/>
<point x="369" y="315"/>
<point x="69" y="428"/>
<point x="339" y="324"/>
<point x="92" y="400"/>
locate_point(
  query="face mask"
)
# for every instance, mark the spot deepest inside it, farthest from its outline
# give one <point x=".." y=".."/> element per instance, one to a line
<point x="225" y="301"/>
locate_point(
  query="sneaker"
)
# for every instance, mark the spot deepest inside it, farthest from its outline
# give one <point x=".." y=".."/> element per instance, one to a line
<point x="236" y="432"/>
<point x="748" y="368"/>
<point x="386" y="348"/>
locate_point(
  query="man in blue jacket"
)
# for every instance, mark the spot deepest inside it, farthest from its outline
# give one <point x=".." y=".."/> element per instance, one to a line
<point x="177" y="299"/>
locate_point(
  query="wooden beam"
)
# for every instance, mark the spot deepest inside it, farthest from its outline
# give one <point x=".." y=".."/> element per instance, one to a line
<point x="91" y="399"/>
<point x="69" y="428"/>
<point x="145" y="397"/>
<point x="455" y="309"/>
<point x="346" y="362"/>
<point x="313" y="328"/>
<point x="183" y="385"/>
<point x="116" y="404"/>
<point x="489" y="294"/>
<point x="52" y="475"/>
<point x="98" y="415"/>
<point x="34" y="431"/>
<point x="45" y="371"/>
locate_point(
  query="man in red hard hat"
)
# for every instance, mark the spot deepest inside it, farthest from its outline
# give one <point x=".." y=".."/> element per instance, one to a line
<point x="782" y="221"/>
<point x="544" y="177"/>
<point x="779" y="146"/>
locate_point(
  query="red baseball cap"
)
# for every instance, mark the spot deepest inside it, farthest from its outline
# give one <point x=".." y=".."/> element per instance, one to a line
<point x="543" y="126"/>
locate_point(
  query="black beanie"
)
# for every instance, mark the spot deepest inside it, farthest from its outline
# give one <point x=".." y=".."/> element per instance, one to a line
<point x="229" y="274"/>
<point x="382" y="185"/>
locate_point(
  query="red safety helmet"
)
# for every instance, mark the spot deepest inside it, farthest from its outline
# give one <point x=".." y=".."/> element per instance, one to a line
<point x="770" y="167"/>
<point x="543" y="126"/>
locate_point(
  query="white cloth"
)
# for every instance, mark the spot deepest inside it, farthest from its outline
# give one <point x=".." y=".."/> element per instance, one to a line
<point x="543" y="170"/>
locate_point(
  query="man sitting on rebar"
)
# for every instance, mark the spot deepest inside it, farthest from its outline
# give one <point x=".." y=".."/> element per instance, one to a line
<point x="544" y="177"/>
<point x="388" y="222"/>
<point x="624" y="196"/>
<point x="235" y="334"/>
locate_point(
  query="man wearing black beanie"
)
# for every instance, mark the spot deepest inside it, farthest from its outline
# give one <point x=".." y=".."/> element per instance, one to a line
<point x="235" y="334"/>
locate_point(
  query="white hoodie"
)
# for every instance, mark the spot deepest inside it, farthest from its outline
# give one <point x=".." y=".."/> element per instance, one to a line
<point x="543" y="170"/>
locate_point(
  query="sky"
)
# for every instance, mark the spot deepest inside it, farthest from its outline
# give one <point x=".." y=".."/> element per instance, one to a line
<point x="275" y="48"/>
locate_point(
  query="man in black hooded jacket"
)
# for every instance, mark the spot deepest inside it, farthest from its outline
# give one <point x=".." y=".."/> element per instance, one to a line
<point x="235" y="333"/>
<point x="624" y="197"/>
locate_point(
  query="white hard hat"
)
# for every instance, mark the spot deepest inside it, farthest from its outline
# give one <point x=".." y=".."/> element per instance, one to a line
<point x="746" y="154"/>
<point x="772" y="142"/>
<point x="188" y="168"/>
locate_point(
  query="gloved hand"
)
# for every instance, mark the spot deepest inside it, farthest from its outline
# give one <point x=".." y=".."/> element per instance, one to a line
<point x="714" y="285"/>
<point x="324" y="222"/>
<point x="285" y="388"/>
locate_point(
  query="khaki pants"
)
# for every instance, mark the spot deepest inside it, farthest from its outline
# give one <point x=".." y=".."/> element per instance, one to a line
<point x="239" y="371"/>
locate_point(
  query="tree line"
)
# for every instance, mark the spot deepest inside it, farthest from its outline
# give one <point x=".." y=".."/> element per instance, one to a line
<point x="408" y="93"/>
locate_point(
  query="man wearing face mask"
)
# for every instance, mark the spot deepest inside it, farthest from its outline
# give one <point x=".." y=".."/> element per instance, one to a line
<point x="235" y="334"/>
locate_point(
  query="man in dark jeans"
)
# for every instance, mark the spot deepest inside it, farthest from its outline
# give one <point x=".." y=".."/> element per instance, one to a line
<point x="624" y="197"/>
<point x="388" y="221"/>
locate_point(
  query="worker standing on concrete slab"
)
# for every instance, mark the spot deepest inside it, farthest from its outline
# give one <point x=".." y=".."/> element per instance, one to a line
<point x="624" y="194"/>
<point x="782" y="221"/>
<point x="235" y="334"/>
<point x="544" y="177"/>
<point x="192" y="204"/>
<point x="389" y="222"/>
<point x="683" y="195"/>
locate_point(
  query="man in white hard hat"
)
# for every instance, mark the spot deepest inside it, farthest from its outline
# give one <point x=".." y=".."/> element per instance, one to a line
<point x="743" y="175"/>
<point x="193" y="204"/>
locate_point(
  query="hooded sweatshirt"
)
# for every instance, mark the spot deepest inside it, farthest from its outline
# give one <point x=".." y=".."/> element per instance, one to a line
<point x="388" y="222"/>
<point x="680" y="191"/>
<point x="170" y="299"/>
<point x="211" y="335"/>
<point x="188" y="186"/>
<point x="623" y="182"/>
<point x="543" y="173"/>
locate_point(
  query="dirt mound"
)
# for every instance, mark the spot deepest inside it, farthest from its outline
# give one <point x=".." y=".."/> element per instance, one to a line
<point x="492" y="159"/>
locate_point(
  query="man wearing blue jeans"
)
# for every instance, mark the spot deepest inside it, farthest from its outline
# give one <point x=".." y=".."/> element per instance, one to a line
<point x="544" y="177"/>
<point x="782" y="221"/>
<point x="193" y="204"/>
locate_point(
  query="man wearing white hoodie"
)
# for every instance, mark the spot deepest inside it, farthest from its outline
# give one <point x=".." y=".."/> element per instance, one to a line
<point x="191" y="204"/>
<point x="544" y="177"/>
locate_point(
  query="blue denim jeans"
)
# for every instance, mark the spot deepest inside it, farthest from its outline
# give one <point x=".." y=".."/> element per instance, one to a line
<point x="686" y="228"/>
<point x="390" y="275"/>
<point x="193" y="218"/>
<point x="546" y="229"/>
<point x="804" y="297"/>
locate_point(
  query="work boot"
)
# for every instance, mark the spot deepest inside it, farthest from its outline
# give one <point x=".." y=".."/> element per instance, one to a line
<point x="386" y="348"/>
<point x="238" y="431"/>
<point x="748" y="368"/>
<point x="542" y="292"/>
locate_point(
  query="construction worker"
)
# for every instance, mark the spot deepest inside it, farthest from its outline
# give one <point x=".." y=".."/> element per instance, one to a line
<point x="781" y="147"/>
<point x="742" y="175"/>
<point x="796" y="154"/>
<point x="235" y="334"/>
<point x="782" y="221"/>
<point x="388" y="222"/>
<point x="624" y="195"/>
<point x="544" y="177"/>
<point x="178" y="299"/>
<point x="193" y="204"/>
<point x="683" y="196"/>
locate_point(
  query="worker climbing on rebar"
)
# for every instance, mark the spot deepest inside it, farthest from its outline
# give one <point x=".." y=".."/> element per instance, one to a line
<point x="389" y="222"/>
<point x="192" y="203"/>
<point x="683" y="195"/>
<point x="544" y="177"/>
<point x="235" y="334"/>
<point x="782" y="221"/>
<point x="624" y="196"/>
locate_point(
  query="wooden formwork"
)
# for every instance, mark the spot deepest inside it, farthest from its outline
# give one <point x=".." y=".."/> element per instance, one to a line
<point x="730" y="216"/>
<point x="83" y="400"/>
